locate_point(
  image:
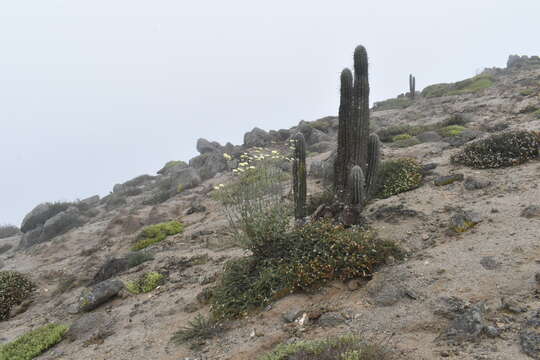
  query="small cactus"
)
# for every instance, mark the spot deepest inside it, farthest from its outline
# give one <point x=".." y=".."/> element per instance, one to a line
<point x="412" y="86"/>
<point x="357" y="185"/>
<point x="299" y="176"/>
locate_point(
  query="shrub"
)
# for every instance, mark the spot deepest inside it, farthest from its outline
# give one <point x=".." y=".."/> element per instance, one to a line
<point x="145" y="283"/>
<point x="301" y="259"/>
<point x="8" y="231"/>
<point x="341" y="348"/>
<point x="406" y="142"/>
<point x="397" y="176"/>
<point x="157" y="233"/>
<point x="14" y="288"/>
<point x="33" y="343"/>
<point x="198" y="330"/>
<point x="452" y="130"/>
<point x="401" y="102"/>
<point x="138" y="257"/>
<point x="466" y="86"/>
<point x="401" y="137"/>
<point x="499" y="150"/>
<point x="39" y="219"/>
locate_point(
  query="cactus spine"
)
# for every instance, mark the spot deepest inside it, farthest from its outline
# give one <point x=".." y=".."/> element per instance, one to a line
<point x="358" y="153"/>
<point x="412" y="86"/>
<point x="299" y="176"/>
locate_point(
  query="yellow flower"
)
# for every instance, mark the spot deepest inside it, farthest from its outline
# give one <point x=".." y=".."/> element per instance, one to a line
<point x="227" y="156"/>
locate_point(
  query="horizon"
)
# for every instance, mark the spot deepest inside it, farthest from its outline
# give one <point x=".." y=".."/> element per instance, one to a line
<point x="98" y="94"/>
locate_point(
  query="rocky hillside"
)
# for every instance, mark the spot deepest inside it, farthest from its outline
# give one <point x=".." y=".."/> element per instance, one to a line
<point x="127" y="271"/>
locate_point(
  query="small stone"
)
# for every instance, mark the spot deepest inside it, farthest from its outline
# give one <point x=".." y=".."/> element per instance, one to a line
<point x="492" y="331"/>
<point x="489" y="263"/>
<point x="531" y="211"/>
<point x="448" y="179"/>
<point x="475" y="184"/>
<point x="292" y="315"/>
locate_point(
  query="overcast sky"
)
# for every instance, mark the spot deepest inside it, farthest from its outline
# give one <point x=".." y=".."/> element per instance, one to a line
<point x="94" y="93"/>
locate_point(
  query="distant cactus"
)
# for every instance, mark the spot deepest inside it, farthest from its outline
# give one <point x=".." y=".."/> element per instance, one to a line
<point x="412" y="86"/>
<point x="357" y="185"/>
<point x="358" y="153"/>
<point x="299" y="176"/>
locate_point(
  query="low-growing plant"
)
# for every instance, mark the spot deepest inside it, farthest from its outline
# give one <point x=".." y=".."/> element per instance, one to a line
<point x="341" y="348"/>
<point x="406" y="142"/>
<point x="14" y="289"/>
<point x="467" y="86"/>
<point x="499" y="150"/>
<point x="198" y="330"/>
<point x="145" y="283"/>
<point x="452" y="130"/>
<point x="401" y="137"/>
<point x="154" y="234"/>
<point x="301" y="259"/>
<point x="33" y="343"/>
<point x="397" y="176"/>
<point x="8" y="230"/>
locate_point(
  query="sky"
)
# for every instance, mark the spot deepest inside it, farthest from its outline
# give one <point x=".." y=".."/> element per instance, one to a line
<point x="94" y="93"/>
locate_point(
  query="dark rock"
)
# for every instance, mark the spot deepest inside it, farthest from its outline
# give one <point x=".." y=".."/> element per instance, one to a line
<point x="448" y="179"/>
<point x="393" y="213"/>
<point x="37" y="217"/>
<point x="331" y="319"/>
<point x="467" y="326"/>
<point x="204" y="146"/>
<point x="464" y="137"/>
<point x="450" y="307"/>
<point x="61" y="223"/>
<point x="184" y="179"/>
<point x="531" y="211"/>
<point x="209" y="164"/>
<point x="472" y="183"/>
<point x="321" y="147"/>
<point x="256" y="137"/>
<point x="529" y="336"/>
<point x="111" y="268"/>
<point x="428" y="168"/>
<point x="317" y="136"/>
<point x="429" y="136"/>
<point x="99" y="294"/>
<point x="30" y="238"/>
<point x="196" y="207"/>
<point x="489" y="263"/>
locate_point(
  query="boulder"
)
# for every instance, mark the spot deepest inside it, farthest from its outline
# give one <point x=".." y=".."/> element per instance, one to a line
<point x="61" y="223"/>
<point x="185" y="179"/>
<point x="111" y="268"/>
<point x="448" y="179"/>
<point x="30" y="238"/>
<point x="172" y="167"/>
<point x="204" y="146"/>
<point x="321" y="147"/>
<point x="91" y="327"/>
<point x="38" y="216"/>
<point x="93" y="297"/>
<point x="257" y="137"/>
<point x="466" y="326"/>
<point x="209" y="164"/>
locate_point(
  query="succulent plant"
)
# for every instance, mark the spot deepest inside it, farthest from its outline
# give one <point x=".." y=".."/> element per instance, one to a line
<point x="299" y="176"/>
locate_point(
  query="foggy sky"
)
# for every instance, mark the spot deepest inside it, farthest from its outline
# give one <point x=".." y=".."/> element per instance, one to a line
<point x="93" y="93"/>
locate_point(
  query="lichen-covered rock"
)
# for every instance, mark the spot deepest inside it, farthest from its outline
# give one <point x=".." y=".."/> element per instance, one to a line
<point x="100" y="293"/>
<point x="448" y="179"/>
<point x="463" y="221"/>
<point x="466" y="326"/>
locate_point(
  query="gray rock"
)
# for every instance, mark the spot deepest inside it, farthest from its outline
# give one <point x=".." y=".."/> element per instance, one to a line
<point x="209" y="164"/>
<point x="61" y="223"/>
<point x="99" y="294"/>
<point x="321" y="147"/>
<point x="30" y="238"/>
<point x="172" y="167"/>
<point x="36" y="217"/>
<point x="472" y="183"/>
<point x="291" y="315"/>
<point x="111" y="268"/>
<point x="447" y="179"/>
<point x="467" y="326"/>
<point x="531" y="211"/>
<point x="204" y="146"/>
<point x="90" y="327"/>
<point x="385" y="290"/>
<point x="489" y="263"/>
<point x="91" y="201"/>
<point x="257" y="137"/>
<point x="429" y="136"/>
<point x="331" y="319"/>
<point x="463" y="221"/>
<point x="464" y="137"/>
<point x="318" y="136"/>
<point x="450" y="307"/>
<point x="184" y="179"/>
<point x="529" y="336"/>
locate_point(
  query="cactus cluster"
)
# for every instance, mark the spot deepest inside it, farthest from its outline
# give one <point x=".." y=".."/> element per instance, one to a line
<point x="299" y="176"/>
<point x="358" y="152"/>
<point x="412" y="86"/>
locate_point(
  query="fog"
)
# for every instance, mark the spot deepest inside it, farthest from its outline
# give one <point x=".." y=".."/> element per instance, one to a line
<point x="94" y="93"/>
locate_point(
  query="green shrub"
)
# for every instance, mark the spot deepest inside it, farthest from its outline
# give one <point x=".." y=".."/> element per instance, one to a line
<point x="397" y="176"/>
<point x="40" y="219"/>
<point x="33" y="343"/>
<point x="388" y="133"/>
<point x="341" y="348"/>
<point x="14" y="288"/>
<point x="156" y="233"/>
<point x="302" y="258"/>
<point x="452" y="130"/>
<point x="499" y="150"/>
<point x="138" y="257"/>
<point x="401" y="137"/>
<point x="8" y="230"/>
<point x="406" y="142"/>
<point x="401" y="102"/>
<point x="145" y="283"/>
<point x="198" y="330"/>
<point x="466" y="86"/>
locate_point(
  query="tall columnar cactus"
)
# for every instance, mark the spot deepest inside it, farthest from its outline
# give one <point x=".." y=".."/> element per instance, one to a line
<point x="412" y="86"/>
<point x="356" y="148"/>
<point x="299" y="176"/>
